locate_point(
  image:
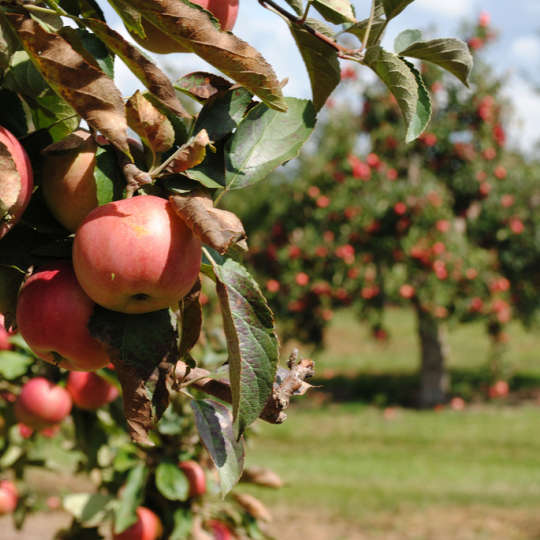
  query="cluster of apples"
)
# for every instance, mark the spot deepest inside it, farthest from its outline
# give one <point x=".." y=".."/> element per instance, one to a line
<point x="133" y="255"/>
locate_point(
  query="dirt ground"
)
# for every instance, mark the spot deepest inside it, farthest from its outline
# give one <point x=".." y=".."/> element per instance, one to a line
<point x="435" y="523"/>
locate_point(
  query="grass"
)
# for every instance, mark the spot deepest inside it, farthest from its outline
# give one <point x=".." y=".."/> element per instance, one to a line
<point x="351" y="473"/>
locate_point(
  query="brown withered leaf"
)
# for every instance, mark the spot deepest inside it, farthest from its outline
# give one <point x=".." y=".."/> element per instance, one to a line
<point x="146" y="71"/>
<point x="253" y="506"/>
<point x="193" y="28"/>
<point x="151" y="125"/>
<point x="190" y="320"/>
<point x="217" y="228"/>
<point x="202" y="85"/>
<point x="10" y="182"/>
<point x="262" y="477"/>
<point x="190" y="154"/>
<point x="71" y="142"/>
<point x="86" y="88"/>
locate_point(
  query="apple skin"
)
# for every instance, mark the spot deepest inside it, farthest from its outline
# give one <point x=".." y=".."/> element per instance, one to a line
<point x="24" y="168"/>
<point x="52" y="316"/>
<point x="219" y="530"/>
<point x="42" y="404"/>
<point x="8" y="497"/>
<point x="136" y="255"/>
<point x="196" y="477"/>
<point x="4" y="336"/>
<point x="147" y="527"/>
<point x="90" y="391"/>
<point x="157" y="41"/>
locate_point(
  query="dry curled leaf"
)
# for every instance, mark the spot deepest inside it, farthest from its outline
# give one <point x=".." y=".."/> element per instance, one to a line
<point x="253" y="506"/>
<point x="262" y="477"/>
<point x="85" y="87"/>
<point x="72" y="142"/>
<point x="189" y="155"/>
<point x="190" y="320"/>
<point x="10" y="182"/>
<point x="202" y="85"/>
<point x="192" y="28"/>
<point x="217" y="228"/>
<point x="151" y="125"/>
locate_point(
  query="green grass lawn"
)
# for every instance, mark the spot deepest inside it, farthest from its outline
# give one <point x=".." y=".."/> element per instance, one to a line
<point x="351" y="473"/>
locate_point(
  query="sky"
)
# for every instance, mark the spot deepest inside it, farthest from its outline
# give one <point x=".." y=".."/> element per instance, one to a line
<point x="516" y="54"/>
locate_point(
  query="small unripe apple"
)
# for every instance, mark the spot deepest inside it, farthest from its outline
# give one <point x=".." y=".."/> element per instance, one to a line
<point x="52" y="316"/>
<point x="42" y="404"/>
<point x="158" y="41"/>
<point x="196" y="477"/>
<point x="15" y="195"/>
<point x="136" y="255"/>
<point x="8" y="497"/>
<point x="147" y="527"/>
<point x="90" y="391"/>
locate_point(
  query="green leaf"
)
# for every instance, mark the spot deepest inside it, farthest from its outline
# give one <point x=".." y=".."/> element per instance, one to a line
<point x="450" y="54"/>
<point x="214" y="423"/>
<point x="406" y="38"/>
<point x="171" y="482"/>
<point x="52" y="113"/>
<point x="251" y="341"/>
<point x="423" y="108"/>
<point x="211" y="172"/>
<point x="132" y="496"/>
<point x="22" y="76"/>
<point x="88" y="508"/>
<point x="8" y="43"/>
<point x="265" y="139"/>
<point x="375" y="32"/>
<point x="320" y="60"/>
<point x="109" y="182"/>
<point x="14" y="364"/>
<point x="335" y="11"/>
<point x="402" y="83"/>
<point x="11" y="456"/>
<point x="182" y="524"/>
<point x="222" y="113"/>
<point x="394" y="7"/>
<point x="297" y="5"/>
<point x="130" y="17"/>
<point x="15" y="114"/>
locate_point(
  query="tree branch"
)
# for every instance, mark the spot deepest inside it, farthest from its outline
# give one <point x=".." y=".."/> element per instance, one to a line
<point x="292" y="384"/>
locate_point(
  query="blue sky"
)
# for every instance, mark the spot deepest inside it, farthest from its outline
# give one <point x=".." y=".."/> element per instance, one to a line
<point x="516" y="54"/>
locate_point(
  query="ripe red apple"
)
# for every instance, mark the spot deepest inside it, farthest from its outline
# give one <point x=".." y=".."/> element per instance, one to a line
<point x="42" y="404"/>
<point x="90" y="391"/>
<point x="219" y="530"/>
<point x="499" y="389"/>
<point x="147" y="527"/>
<point x="8" y="497"/>
<point x="15" y="195"/>
<point x="136" y="255"/>
<point x="157" y="41"/>
<point x="4" y="336"/>
<point x="52" y="316"/>
<point x="196" y="477"/>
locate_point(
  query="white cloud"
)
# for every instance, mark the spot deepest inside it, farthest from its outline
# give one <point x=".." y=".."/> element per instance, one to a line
<point x="455" y="8"/>
<point x="526" y="47"/>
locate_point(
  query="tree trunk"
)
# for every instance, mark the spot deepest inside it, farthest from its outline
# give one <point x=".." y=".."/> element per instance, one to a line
<point x="434" y="380"/>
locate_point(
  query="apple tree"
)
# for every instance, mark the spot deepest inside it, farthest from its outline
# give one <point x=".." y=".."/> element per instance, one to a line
<point x="373" y="223"/>
<point x="108" y="241"/>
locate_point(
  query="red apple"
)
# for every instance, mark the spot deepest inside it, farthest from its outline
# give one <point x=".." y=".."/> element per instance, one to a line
<point x="196" y="477"/>
<point x="157" y="41"/>
<point x="4" y="336"/>
<point x="14" y="193"/>
<point x="136" y="255"/>
<point x="8" y="497"/>
<point x="52" y="316"/>
<point x="90" y="391"/>
<point x="498" y="390"/>
<point x="219" y="530"/>
<point x="42" y="404"/>
<point x="147" y="527"/>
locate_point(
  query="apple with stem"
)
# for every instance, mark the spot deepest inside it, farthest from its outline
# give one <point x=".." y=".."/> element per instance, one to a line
<point x="225" y="11"/>
<point x="15" y="190"/>
<point x="90" y="391"/>
<point x="52" y="316"/>
<point x="42" y="404"/>
<point x="136" y="255"/>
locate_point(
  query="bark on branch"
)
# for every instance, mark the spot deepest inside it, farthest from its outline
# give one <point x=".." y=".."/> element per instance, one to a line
<point x="293" y="383"/>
